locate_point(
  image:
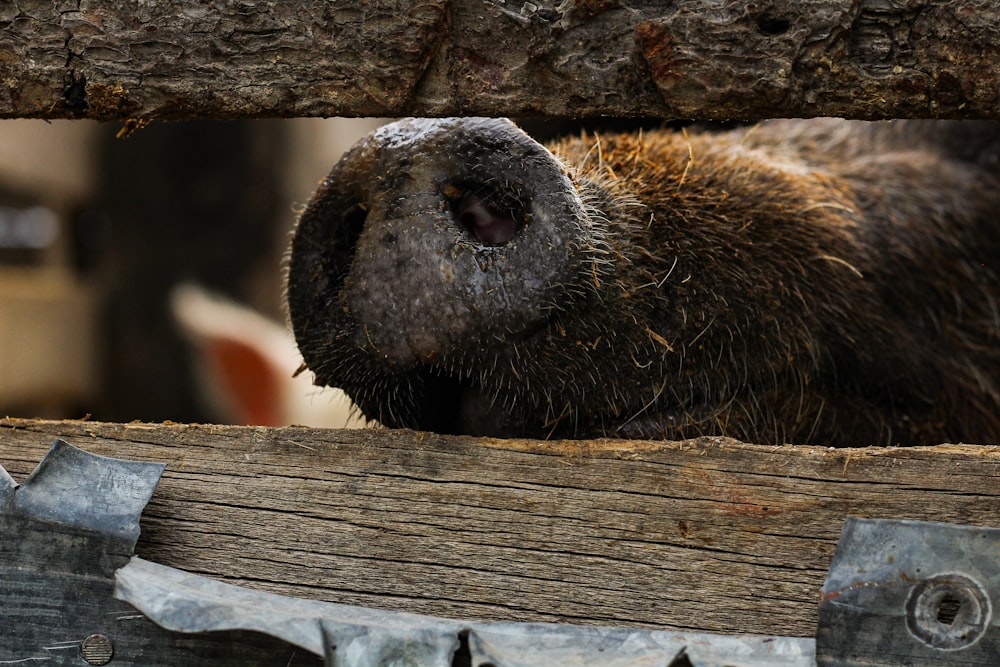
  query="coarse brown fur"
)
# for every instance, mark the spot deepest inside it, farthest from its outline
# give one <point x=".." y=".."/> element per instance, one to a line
<point x="823" y="282"/>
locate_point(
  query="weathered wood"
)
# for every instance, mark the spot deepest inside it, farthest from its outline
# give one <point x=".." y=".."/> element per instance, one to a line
<point x="708" y="535"/>
<point x="684" y="58"/>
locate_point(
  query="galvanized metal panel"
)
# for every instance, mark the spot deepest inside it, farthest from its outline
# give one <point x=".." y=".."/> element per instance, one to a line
<point x="73" y="488"/>
<point x="7" y="486"/>
<point x="911" y="593"/>
<point x="365" y="637"/>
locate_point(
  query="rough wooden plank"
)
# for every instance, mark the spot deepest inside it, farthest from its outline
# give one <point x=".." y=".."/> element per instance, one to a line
<point x="103" y="59"/>
<point x="683" y="58"/>
<point x="708" y="535"/>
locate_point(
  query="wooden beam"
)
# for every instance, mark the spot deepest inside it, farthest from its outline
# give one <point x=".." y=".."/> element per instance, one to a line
<point x="164" y="59"/>
<point x="706" y="535"/>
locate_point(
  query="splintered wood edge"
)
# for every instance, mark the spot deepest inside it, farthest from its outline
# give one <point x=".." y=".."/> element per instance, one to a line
<point x="599" y="447"/>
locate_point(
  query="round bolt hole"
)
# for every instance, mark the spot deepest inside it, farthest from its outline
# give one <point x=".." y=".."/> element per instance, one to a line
<point x="948" y="612"/>
<point x="97" y="649"/>
<point x="948" y="609"/>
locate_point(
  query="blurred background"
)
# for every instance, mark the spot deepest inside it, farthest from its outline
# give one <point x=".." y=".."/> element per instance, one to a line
<point x="96" y="232"/>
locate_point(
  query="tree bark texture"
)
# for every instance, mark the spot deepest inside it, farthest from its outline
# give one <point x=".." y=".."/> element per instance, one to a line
<point x="708" y="59"/>
<point x="704" y="535"/>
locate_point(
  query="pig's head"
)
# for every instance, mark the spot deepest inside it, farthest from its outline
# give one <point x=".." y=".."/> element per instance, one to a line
<point x="428" y="255"/>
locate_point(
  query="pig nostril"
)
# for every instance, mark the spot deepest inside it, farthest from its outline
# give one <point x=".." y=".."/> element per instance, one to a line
<point x="487" y="224"/>
<point x="344" y="238"/>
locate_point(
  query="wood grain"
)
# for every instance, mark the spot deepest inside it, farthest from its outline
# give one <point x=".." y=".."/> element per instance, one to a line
<point x="675" y="59"/>
<point x="708" y="535"/>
